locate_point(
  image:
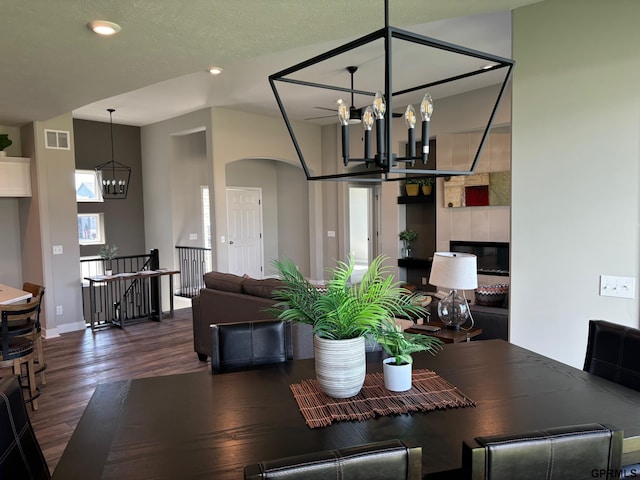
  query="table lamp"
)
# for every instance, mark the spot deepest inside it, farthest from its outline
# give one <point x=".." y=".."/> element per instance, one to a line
<point x="457" y="271"/>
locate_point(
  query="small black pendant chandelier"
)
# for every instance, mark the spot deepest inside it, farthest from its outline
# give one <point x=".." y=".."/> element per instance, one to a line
<point x="113" y="176"/>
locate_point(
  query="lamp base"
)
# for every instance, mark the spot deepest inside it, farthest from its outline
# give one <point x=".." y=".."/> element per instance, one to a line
<point x="453" y="311"/>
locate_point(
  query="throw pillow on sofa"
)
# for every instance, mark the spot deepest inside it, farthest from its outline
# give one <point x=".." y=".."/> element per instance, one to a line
<point x="260" y="288"/>
<point x="226" y="282"/>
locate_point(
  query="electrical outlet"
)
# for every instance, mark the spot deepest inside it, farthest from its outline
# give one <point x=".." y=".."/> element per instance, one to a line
<point x="57" y="249"/>
<point x="193" y="236"/>
<point x="622" y="287"/>
<point x="424" y="280"/>
<point x="59" y="310"/>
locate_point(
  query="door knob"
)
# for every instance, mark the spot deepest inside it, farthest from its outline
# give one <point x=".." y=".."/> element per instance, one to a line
<point x="230" y="242"/>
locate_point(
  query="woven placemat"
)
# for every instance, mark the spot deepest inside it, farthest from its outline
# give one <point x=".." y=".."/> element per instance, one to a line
<point x="429" y="392"/>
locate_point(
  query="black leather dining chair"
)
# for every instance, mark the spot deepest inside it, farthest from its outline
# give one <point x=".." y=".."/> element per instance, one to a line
<point x="613" y="352"/>
<point x="392" y="459"/>
<point x="239" y="346"/>
<point x="20" y="453"/>
<point x="570" y="453"/>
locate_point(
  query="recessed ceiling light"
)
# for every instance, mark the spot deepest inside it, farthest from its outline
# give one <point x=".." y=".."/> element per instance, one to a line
<point x="215" y="70"/>
<point x="102" y="27"/>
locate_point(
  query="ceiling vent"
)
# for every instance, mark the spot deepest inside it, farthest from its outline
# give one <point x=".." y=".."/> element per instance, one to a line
<point x="57" y="139"/>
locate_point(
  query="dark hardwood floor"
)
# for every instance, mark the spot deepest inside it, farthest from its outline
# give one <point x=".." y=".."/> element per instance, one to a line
<point x="78" y="361"/>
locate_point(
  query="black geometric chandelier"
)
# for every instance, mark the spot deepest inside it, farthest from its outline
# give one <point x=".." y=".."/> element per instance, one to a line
<point x="379" y="57"/>
<point x="113" y="176"/>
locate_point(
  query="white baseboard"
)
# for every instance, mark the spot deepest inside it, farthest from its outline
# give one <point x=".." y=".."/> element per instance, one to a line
<point x="64" y="328"/>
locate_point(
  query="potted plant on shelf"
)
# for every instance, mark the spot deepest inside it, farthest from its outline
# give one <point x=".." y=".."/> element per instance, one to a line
<point x="5" y="142"/>
<point x="408" y="237"/>
<point x="412" y="187"/>
<point x="399" y="346"/>
<point x="108" y="253"/>
<point x="426" y="184"/>
<point x="341" y="316"/>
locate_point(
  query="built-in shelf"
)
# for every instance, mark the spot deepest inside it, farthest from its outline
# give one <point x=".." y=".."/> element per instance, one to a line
<point x="15" y="177"/>
<point x="414" y="263"/>
<point x="416" y="199"/>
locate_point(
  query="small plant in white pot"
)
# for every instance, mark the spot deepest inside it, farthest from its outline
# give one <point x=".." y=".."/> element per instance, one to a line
<point x="408" y="237"/>
<point x="341" y="316"/>
<point x="108" y="253"/>
<point x="399" y="346"/>
<point x="5" y="142"/>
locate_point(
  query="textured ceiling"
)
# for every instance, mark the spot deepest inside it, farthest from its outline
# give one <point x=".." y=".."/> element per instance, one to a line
<point x="155" y="68"/>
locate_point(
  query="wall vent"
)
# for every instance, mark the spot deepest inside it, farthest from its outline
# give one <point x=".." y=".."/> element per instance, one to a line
<point x="57" y="139"/>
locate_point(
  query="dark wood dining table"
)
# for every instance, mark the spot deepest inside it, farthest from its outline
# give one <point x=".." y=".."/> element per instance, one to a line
<point x="199" y="425"/>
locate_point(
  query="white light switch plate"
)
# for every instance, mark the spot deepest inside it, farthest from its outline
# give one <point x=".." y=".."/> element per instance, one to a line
<point x="622" y="287"/>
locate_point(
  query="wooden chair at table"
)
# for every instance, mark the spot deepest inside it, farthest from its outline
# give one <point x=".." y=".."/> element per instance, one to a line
<point x="613" y="353"/>
<point x="17" y="344"/>
<point x="38" y="293"/>
<point x="391" y="459"/>
<point x="20" y="453"/>
<point x="238" y="346"/>
<point x="570" y="453"/>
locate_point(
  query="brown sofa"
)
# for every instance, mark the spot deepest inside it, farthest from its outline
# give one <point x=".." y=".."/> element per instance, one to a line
<point x="229" y="298"/>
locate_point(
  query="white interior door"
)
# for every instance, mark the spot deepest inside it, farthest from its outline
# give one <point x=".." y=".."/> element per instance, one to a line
<point x="244" y="217"/>
<point x="363" y="227"/>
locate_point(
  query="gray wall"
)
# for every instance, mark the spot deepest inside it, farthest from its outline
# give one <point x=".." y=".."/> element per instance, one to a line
<point x="285" y="208"/>
<point x="260" y="174"/>
<point x="189" y="173"/>
<point x="123" y="218"/>
<point x="293" y="217"/>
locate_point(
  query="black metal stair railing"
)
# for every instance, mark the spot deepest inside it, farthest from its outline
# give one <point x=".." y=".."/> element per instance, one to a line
<point x="122" y="300"/>
<point x="194" y="263"/>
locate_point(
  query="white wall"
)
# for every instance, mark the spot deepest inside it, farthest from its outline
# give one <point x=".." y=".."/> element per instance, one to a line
<point x="575" y="170"/>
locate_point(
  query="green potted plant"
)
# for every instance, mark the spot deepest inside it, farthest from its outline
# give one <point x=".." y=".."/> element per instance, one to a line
<point x="108" y="253"/>
<point x="426" y="184"/>
<point x="412" y="187"/>
<point x="408" y="237"/>
<point x="5" y="142"/>
<point x="399" y="346"/>
<point x="341" y="316"/>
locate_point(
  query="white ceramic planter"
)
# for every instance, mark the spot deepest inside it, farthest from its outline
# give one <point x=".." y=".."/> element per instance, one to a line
<point x="340" y="365"/>
<point x="397" y="378"/>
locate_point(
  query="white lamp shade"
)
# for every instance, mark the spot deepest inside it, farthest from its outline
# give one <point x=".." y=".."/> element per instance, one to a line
<point x="454" y="270"/>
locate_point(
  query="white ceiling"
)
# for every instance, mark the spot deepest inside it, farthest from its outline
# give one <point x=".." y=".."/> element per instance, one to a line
<point x="156" y="67"/>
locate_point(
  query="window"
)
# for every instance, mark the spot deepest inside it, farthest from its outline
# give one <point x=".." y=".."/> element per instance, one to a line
<point x="206" y="217"/>
<point x="88" y="186"/>
<point x="90" y="228"/>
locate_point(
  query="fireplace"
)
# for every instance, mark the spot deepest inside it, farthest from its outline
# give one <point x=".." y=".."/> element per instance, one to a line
<point x="493" y="257"/>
